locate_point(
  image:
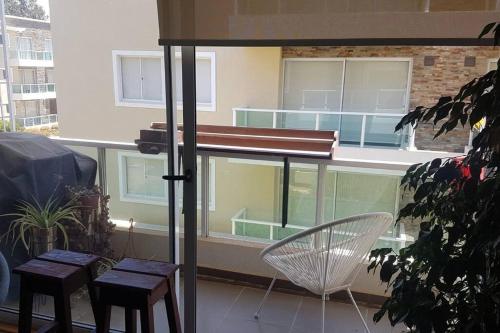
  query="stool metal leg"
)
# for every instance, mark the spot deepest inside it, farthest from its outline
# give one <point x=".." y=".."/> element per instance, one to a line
<point x="25" y="307"/>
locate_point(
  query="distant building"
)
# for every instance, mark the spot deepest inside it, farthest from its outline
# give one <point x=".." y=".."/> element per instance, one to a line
<point x="31" y="63"/>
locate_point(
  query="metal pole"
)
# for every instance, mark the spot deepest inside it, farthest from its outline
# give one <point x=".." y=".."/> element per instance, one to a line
<point x="190" y="200"/>
<point x="205" y="194"/>
<point x="11" y="107"/>
<point x="101" y="167"/>
<point x="172" y="160"/>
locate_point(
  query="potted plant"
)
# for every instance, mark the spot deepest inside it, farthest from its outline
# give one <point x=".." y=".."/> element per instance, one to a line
<point x="37" y="226"/>
<point x="448" y="280"/>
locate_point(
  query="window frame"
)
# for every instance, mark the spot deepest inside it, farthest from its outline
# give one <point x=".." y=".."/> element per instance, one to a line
<point x="212" y="107"/>
<point x="157" y="201"/>
<point x="344" y="60"/>
<point x="141" y="103"/>
<point x="118" y="79"/>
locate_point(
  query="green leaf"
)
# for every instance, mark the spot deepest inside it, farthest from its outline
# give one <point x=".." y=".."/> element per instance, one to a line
<point x="487" y="28"/>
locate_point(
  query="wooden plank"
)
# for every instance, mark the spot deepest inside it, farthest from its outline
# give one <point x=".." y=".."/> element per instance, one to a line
<point x="246" y="140"/>
<point x="49" y="270"/>
<point x="151" y="267"/>
<point x="69" y="257"/>
<point x="255" y="131"/>
<point x="135" y="281"/>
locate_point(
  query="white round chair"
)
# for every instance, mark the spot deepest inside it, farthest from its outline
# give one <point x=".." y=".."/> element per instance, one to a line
<point x="326" y="258"/>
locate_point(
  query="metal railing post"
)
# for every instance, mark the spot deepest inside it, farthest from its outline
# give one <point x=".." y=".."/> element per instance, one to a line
<point x="101" y="167"/>
<point x="205" y="194"/>
<point x="363" y="127"/>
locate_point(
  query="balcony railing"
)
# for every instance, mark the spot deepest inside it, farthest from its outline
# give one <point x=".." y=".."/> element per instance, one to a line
<point x="241" y="184"/>
<point x="48" y="119"/>
<point x="32" y="55"/>
<point x="363" y="129"/>
<point x="244" y="227"/>
<point x="36" y="88"/>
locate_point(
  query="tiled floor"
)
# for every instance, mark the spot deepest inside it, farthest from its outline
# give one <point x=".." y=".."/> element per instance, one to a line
<point x="226" y="308"/>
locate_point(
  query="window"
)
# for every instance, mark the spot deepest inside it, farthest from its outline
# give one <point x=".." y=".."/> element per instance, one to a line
<point x="24" y="44"/>
<point x="139" y="79"/>
<point x="205" y="80"/>
<point x="141" y="179"/>
<point x="48" y="45"/>
<point x="362" y="98"/>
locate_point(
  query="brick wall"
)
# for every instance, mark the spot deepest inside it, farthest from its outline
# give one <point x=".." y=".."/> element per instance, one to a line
<point x="428" y="83"/>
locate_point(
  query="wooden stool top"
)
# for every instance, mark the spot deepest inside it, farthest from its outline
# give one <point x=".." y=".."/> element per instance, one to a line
<point x="70" y="258"/>
<point x="46" y="269"/>
<point x="150" y="267"/>
<point x="133" y="281"/>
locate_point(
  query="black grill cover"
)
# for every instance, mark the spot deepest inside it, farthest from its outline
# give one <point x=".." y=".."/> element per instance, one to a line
<point x="34" y="167"/>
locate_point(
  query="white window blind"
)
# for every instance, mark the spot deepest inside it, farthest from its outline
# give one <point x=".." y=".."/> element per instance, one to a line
<point x="141" y="79"/>
<point x="205" y="80"/>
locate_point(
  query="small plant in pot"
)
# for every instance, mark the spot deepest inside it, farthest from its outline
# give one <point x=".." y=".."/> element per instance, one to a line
<point x="37" y="226"/>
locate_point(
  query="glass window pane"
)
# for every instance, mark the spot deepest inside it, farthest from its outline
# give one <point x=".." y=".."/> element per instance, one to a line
<point x="358" y="193"/>
<point x="312" y="85"/>
<point x="152" y="87"/>
<point x="143" y="177"/>
<point x="375" y="86"/>
<point x="379" y="132"/>
<point x="203" y="81"/>
<point x="131" y="77"/>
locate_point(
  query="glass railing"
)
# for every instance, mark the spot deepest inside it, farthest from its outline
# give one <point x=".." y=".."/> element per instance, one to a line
<point x="363" y="129"/>
<point x="48" y="119"/>
<point x="36" y="88"/>
<point x="32" y="55"/>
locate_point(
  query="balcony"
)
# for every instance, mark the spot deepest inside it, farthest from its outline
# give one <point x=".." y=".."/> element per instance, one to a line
<point x="27" y="58"/>
<point x="356" y="129"/>
<point x="239" y="215"/>
<point x="23" y="92"/>
<point x="44" y="120"/>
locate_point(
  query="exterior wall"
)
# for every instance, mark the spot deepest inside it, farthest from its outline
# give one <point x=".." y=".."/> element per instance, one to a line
<point x="428" y="82"/>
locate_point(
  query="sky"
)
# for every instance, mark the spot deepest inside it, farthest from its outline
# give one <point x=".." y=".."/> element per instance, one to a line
<point x="45" y="5"/>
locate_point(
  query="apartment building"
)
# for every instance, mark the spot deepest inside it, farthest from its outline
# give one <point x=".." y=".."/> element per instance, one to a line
<point x="29" y="44"/>
<point x="359" y="91"/>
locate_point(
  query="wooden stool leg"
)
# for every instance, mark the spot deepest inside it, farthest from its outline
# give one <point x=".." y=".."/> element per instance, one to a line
<point x="104" y="319"/>
<point x="25" y="307"/>
<point x="93" y="293"/>
<point x="62" y="308"/>
<point x="147" y="318"/>
<point x="130" y="320"/>
<point x="174" y="321"/>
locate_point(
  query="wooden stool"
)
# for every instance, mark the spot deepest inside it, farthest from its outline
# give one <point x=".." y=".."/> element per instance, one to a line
<point x="157" y="268"/>
<point x="131" y="291"/>
<point x="87" y="262"/>
<point x="53" y="279"/>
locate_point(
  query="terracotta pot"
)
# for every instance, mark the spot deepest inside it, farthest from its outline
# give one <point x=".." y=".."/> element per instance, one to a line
<point x="44" y="240"/>
<point x="89" y="201"/>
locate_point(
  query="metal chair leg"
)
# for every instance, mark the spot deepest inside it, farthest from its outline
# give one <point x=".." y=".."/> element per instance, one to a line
<point x="323" y="305"/>
<point x="357" y="309"/>
<point x="257" y="313"/>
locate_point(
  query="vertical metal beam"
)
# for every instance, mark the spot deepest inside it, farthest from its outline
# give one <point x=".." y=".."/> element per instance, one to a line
<point x="205" y="194"/>
<point x="101" y="167"/>
<point x="286" y="188"/>
<point x="190" y="199"/>
<point x="320" y="194"/>
<point x="11" y="106"/>
<point x="172" y="157"/>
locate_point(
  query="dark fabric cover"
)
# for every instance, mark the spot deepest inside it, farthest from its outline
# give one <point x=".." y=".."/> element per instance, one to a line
<point x="34" y="167"/>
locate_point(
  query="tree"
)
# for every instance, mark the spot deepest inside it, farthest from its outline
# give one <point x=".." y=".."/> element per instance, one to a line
<point x="25" y="8"/>
<point x="448" y="280"/>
